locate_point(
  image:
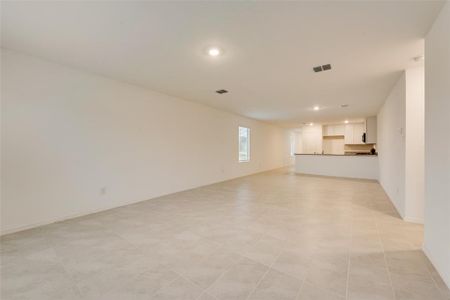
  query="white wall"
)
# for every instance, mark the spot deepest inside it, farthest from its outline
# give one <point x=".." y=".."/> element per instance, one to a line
<point x="437" y="144"/>
<point x="296" y="139"/>
<point x="334" y="146"/>
<point x="391" y="145"/>
<point x="401" y="145"/>
<point x="415" y="145"/>
<point x="67" y="134"/>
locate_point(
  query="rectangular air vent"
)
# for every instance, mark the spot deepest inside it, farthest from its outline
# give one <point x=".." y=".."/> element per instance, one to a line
<point x="221" y="91"/>
<point x="322" y="68"/>
<point x="317" y="69"/>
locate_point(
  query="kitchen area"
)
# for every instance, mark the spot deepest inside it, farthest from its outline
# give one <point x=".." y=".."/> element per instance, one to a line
<point x="346" y="149"/>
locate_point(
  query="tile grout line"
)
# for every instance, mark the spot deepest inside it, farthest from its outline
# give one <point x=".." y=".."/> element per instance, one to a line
<point x="231" y="265"/>
<point x="224" y="271"/>
<point x="349" y="254"/>
<point x="188" y="280"/>
<point x="384" y="256"/>
<point x="431" y="275"/>
<point x="205" y="290"/>
<point x="262" y="277"/>
<point x="300" y="289"/>
<point x="168" y="284"/>
<point x="68" y="274"/>
<point x="127" y="246"/>
<point x="206" y="293"/>
<point x="432" y="278"/>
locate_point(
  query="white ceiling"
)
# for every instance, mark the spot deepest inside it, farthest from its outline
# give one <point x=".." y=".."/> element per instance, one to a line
<point x="269" y="50"/>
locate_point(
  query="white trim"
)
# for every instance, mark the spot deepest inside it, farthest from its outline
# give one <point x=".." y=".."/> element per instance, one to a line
<point x="61" y="219"/>
<point x="413" y="219"/>
<point x="405" y="217"/>
<point x="85" y="213"/>
<point x="393" y="203"/>
<point x="430" y="257"/>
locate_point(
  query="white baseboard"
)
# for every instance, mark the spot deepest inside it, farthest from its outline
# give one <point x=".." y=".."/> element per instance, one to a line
<point x="105" y="208"/>
<point x="413" y="219"/>
<point x="393" y="203"/>
<point x="432" y="260"/>
<point x="64" y="218"/>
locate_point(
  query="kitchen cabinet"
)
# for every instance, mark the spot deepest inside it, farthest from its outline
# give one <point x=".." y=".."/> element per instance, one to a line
<point x="358" y="130"/>
<point x="353" y="133"/>
<point x="348" y="136"/>
<point x="371" y="130"/>
<point x="311" y="139"/>
<point x="333" y="130"/>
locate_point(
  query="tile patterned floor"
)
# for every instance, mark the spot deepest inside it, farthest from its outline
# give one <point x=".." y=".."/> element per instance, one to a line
<point x="275" y="235"/>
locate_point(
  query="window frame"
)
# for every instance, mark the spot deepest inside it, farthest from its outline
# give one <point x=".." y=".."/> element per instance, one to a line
<point x="248" y="129"/>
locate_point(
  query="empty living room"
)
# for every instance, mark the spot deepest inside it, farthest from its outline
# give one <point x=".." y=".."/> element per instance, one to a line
<point x="225" y="150"/>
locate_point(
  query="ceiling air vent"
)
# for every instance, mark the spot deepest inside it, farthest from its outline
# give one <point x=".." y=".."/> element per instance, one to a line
<point x="322" y="68"/>
<point x="221" y="91"/>
<point x="317" y="69"/>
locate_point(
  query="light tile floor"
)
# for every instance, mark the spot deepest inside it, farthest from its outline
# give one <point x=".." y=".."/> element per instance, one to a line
<point x="275" y="235"/>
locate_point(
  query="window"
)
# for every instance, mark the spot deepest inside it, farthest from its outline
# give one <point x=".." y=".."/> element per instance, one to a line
<point x="244" y="144"/>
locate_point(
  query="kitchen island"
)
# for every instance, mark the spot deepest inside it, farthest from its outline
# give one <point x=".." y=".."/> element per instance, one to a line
<point x="351" y="166"/>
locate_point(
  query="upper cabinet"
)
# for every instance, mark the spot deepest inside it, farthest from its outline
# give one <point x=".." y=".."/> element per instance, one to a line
<point x="333" y="130"/>
<point x="348" y="137"/>
<point x="354" y="133"/>
<point x="371" y="130"/>
<point x="311" y="139"/>
<point x="358" y="131"/>
<point x="333" y="138"/>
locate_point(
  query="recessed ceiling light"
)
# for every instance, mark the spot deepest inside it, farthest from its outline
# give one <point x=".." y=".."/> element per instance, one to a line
<point x="214" y="51"/>
<point x="316" y="107"/>
<point x="311" y="124"/>
<point x="346" y="121"/>
<point x="344" y="105"/>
